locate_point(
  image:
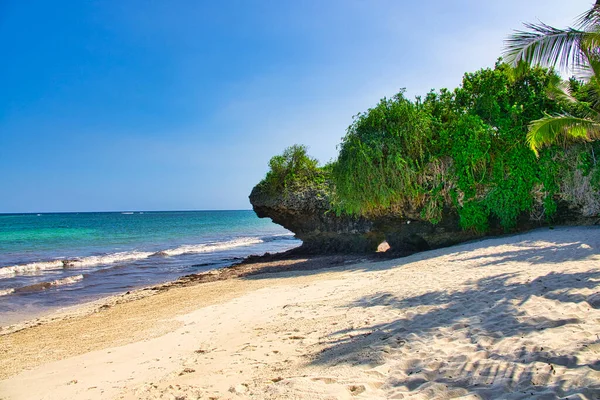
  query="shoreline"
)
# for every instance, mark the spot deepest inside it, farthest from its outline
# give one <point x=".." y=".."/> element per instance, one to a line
<point x="268" y="267"/>
<point x="250" y="265"/>
<point x="42" y="314"/>
<point x="61" y="260"/>
<point x="268" y="263"/>
<point x="499" y="315"/>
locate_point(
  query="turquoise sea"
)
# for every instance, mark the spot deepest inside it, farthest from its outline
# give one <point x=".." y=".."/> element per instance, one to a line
<point x="48" y="261"/>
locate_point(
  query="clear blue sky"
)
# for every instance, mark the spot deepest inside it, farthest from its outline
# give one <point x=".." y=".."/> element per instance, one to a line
<point x="168" y="105"/>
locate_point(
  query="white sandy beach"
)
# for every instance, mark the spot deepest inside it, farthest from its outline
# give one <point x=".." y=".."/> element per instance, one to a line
<point x="510" y="317"/>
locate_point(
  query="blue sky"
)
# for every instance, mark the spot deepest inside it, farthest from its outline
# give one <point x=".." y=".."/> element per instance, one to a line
<point x="171" y="105"/>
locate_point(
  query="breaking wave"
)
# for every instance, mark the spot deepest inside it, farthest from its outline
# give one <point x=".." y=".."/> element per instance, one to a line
<point x="282" y="236"/>
<point x="46" y="285"/>
<point x="37" y="268"/>
<point x="209" y="247"/>
<point x="4" y="292"/>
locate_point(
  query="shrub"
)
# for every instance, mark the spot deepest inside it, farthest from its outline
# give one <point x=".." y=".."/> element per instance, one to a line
<point x="464" y="149"/>
<point x="291" y="170"/>
<point x="380" y="156"/>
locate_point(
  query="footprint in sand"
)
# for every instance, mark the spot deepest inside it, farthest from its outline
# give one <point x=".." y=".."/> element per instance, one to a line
<point x="187" y="371"/>
<point x="356" y="389"/>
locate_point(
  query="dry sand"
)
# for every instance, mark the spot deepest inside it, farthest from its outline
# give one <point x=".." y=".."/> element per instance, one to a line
<point x="511" y="317"/>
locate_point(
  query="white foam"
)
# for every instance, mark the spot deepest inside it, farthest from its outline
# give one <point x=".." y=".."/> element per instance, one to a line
<point x="108" y="259"/>
<point x="38" y="268"/>
<point x="37" y="287"/>
<point x="4" y="292"/>
<point x="66" y="281"/>
<point x="32" y="268"/>
<point x="209" y="247"/>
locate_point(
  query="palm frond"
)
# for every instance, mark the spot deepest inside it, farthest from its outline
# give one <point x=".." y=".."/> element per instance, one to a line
<point x="546" y="46"/>
<point x="590" y="41"/>
<point x="560" y="90"/>
<point x="590" y="58"/>
<point x="593" y="100"/>
<point x="551" y="129"/>
<point x="592" y="77"/>
<point x="590" y="17"/>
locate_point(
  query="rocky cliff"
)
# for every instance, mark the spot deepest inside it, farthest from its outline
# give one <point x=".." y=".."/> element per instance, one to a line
<point x="308" y="213"/>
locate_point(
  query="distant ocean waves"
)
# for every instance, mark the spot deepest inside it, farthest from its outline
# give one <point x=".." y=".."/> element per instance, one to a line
<point x="108" y="260"/>
<point x="55" y="260"/>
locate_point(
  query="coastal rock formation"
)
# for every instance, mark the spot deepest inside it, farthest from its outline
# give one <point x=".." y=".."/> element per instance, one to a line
<point x="308" y="213"/>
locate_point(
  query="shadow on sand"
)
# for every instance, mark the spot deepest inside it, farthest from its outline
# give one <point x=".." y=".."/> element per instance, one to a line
<point x="475" y="312"/>
<point x="485" y="312"/>
<point x="554" y="250"/>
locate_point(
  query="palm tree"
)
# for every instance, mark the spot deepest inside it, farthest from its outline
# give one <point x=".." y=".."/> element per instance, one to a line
<point x="575" y="49"/>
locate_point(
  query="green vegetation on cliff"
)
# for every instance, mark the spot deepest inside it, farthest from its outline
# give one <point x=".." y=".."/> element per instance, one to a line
<point x="463" y="151"/>
<point x="291" y="171"/>
<point x="509" y="149"/>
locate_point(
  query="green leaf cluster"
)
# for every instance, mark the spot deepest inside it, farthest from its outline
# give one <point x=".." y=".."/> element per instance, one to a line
<point x="576" y="49"/>
<point x="383" y="150"/>
<point x="292" y="170"/>
<point x="464" y="149"/>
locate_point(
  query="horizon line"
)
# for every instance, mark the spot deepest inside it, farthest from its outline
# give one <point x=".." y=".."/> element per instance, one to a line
<point x="116" y="211"/>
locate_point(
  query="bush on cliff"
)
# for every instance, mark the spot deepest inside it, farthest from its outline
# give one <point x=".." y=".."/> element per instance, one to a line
<point x="464" y="150"/>
<point x="291" y="171"/>
<point x="381" y="155"/>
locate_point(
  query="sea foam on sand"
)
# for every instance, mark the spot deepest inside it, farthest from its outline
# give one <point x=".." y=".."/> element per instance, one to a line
<point x="511" y="317"/>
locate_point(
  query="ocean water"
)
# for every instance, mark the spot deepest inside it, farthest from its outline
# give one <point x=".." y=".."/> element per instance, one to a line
<point x="49" y="261"/>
